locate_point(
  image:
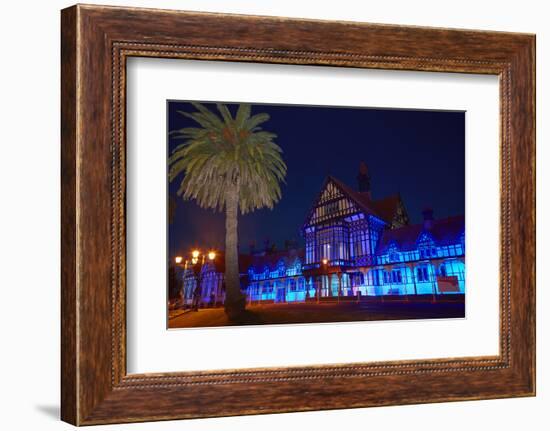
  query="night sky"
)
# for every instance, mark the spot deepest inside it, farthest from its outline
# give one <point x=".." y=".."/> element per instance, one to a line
<point x="417" y="153"/>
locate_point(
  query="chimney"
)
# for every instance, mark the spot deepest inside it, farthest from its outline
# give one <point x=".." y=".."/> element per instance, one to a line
<point x="363" y="179"/>
<point x="428" y="215"/>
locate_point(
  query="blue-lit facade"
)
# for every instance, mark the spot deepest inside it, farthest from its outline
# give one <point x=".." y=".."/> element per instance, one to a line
<point x="278" y="277"/>
<point x="354" y="247"/>
<point x="210" y="279"/>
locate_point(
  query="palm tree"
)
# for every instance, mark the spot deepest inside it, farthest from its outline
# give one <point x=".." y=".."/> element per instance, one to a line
<point x="228" y="164"/>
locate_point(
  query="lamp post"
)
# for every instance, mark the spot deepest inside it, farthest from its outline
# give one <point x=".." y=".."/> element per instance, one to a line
<point x="196" y="257"/>
<point x="325" y="271"/>
<point x="211" y="255"/>
<point x="197" y="262"/>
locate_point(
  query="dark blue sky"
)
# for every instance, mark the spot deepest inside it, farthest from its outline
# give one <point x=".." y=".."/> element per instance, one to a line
<point x="417" y="153"/>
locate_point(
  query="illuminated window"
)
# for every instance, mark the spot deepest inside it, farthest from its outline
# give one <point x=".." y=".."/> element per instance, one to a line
<point x="422" y="274"/>
<point x="396" y="276"/>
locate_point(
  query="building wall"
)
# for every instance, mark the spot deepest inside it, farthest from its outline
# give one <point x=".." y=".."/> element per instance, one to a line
<point x="290" y="285"/>
<point x="390" y="280"/>
<point x="342" y="249"/>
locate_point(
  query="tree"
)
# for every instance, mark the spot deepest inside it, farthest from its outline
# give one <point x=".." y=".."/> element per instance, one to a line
<point x="228" y="164"/>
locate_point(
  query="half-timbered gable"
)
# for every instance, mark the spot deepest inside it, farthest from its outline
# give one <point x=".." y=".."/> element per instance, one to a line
<point x="341" y="229"/>
<point x="332" y="204"/>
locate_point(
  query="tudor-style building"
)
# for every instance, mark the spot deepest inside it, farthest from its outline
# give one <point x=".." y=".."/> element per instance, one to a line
<point x="357" y="245"/>
<point x="354" y="246"/>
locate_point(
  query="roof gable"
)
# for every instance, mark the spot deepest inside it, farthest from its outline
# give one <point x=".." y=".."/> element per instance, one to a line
<point x="360" y="199"/>
<point x="335" y="200"/>
<point x="443" y="232"/>
<point x="390" y="210"/>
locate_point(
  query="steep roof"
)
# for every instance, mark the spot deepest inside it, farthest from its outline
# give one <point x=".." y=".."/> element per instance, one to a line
<point x="361" y="199"/>
<point x="443" y="231"/>
<point x="384" y="208"/>
<point x="244" y="262"/>
<point x="259" y="261"/>
<point x="271" y="260"/>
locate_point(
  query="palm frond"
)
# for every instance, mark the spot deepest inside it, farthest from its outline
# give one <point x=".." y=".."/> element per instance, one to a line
<point x="256" y="120"/>
<point x="226" y="115"/>
<point x="243" y="113"/>
<point x="226" y="151"/>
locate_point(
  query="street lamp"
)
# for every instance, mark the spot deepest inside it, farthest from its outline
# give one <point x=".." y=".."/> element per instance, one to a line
<point x="178" y="260"/>
<point x="196" y="255"/>
<point x="324" y="261"/>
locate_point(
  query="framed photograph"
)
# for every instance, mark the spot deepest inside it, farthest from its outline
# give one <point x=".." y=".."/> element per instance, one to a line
<point x="267" y="215"/>
<point x="321" y="250"/>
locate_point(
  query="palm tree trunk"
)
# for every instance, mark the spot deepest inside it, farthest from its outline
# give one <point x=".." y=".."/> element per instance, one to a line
<point x="234" y="299"/>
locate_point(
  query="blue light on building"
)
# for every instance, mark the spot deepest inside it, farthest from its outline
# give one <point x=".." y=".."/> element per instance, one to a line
<point x="354" y="246"/>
